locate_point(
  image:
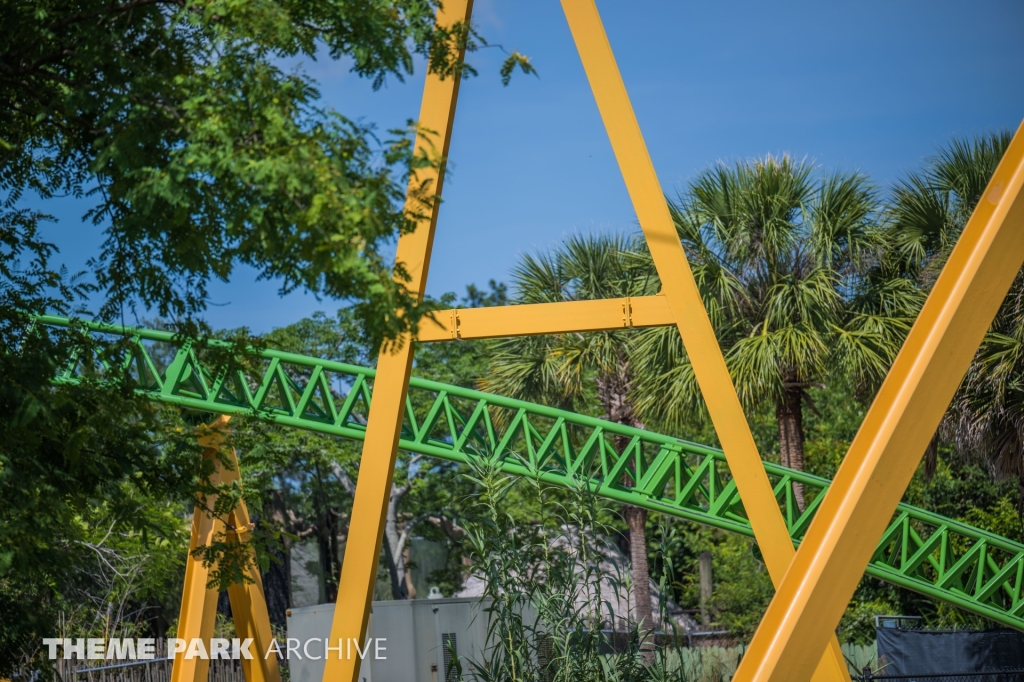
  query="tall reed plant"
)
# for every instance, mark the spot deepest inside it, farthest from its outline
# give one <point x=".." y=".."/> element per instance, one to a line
<point x="550" y="593"/>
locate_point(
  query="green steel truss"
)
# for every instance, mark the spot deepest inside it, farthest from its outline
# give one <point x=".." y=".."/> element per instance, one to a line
<point x="921" y="551"/>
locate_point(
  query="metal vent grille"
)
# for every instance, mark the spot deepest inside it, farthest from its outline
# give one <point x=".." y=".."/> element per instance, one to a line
<point x="451" y="653"/>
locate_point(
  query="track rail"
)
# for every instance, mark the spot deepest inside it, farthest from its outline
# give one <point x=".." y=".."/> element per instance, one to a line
<point x="921" y="551"/>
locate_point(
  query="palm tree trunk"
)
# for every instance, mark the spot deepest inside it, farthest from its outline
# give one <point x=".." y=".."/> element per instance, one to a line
<point x="636" y="519"/>
<point x="613" y="392"/>
<point x="789" y="414"/>
<point x="706" y="589"/>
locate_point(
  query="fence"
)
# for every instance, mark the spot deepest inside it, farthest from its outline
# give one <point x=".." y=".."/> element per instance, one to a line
<point x="155" y="670"/>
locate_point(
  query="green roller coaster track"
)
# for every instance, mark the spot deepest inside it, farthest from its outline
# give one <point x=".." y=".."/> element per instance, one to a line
<point x="950" y="561"/>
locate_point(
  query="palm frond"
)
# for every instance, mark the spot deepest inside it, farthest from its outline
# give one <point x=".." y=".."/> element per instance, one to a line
<point x="778" y="252"/>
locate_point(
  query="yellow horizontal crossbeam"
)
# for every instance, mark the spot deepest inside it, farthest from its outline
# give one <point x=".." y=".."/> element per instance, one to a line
<point x="547" y="318"/>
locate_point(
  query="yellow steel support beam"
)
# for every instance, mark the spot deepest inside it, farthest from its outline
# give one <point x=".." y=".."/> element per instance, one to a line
<point x="248" y="602"/>
<point x="199" y="603"/>
<point x="680" y="289"/>
<point x="384" y="423"/>
<point x="891" y="441"/>
<point x="547" y="318"/>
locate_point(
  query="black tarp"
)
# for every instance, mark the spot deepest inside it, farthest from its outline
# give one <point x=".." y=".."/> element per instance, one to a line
<point x="923" y="652"/>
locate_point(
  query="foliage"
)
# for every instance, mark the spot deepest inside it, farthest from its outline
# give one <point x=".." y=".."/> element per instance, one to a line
<point x="856" y="325"/>
<point x="559" y="369"/>
<point x="929" y="211"/>
<point x="546" y="616"/>
<point x="433" y="493"/>
<point x="202" y="152"/>
<point x="742" y="587"/>
<point x="297" y="482"/>
<point x="958" y="489"/>
<point x="302" y="483"/>
<point x="114" y="579"/>
<point x="778" y="255"/>
<point x="556" y="369"/>
<point x="781" y="255"/>
<point x="96" y="484"/>
<point x="929" y="208"/>
<point x="80" y="466"/>
<point x="75" y="474"/>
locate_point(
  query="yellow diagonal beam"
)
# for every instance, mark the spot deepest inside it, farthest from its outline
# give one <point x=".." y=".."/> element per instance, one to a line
<point x="547" y="318"/>
<point x="248" y="601"/>
<point x="896" y="431"/>
<point x="680" y="289"/>
<point x="384" y="423"/>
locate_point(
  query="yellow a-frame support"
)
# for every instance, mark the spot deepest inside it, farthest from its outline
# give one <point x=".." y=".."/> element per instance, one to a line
<point x="795" y="640"/>
<point x="679" y="304"/>
<point x="199" y="603"/>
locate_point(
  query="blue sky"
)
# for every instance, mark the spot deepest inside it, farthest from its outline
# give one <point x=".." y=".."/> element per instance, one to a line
<point x="872" y="85"/>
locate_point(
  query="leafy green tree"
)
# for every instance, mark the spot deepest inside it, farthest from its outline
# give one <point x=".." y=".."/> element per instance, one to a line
<point x="928" y="212"/>
<point x="298" y="483"/>
<point x="116" y="577"/>
<point x="427" y="495"/>
<point x="203" y="152"/>
<point x="787" y="263"/>
<point x="576" y="370"/>
<point x="82" y="468"/>
<point x="200" y="152"/>
<point x="73" y="459"/>
<point x="958" y="489"/>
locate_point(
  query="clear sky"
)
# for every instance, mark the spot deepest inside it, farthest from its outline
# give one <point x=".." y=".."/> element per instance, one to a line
<point x="874" y="85"/>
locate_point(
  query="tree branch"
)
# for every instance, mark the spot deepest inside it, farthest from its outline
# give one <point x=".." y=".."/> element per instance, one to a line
<point x="343" y="478"/>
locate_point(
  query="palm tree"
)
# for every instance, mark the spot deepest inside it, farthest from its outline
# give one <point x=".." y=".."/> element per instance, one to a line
<point x="788" y="262"/>
<point x="928" y="212"/>
<point x="559" y="369"/>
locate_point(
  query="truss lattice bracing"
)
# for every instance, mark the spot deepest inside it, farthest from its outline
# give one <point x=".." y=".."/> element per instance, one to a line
<point x="922" y="551"/>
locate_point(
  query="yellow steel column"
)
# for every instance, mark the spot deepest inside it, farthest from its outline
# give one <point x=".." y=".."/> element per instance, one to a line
<point x="679" y="287"/>
<point x="384" y="423"/>
<point x="198" y="603"/>
<point x="902" y="419"/>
